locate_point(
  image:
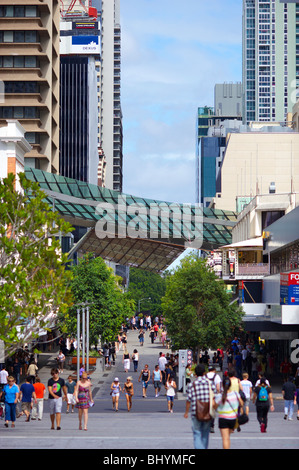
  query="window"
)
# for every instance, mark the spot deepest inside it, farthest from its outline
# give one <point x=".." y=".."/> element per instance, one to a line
<point x="19" y="36"/>
<point x="19" y="12"/>
<point x="30" y="11"/>
<point x="19" y="112"/>
<point x="30" y="61"/>
<point x="7" y="62"/>
<point x="19" y="61"/>
<point x="7" y="36"/>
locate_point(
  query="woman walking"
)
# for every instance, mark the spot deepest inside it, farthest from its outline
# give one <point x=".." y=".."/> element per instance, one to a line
<point x="115" y="391"/>
<point x="141" y="337"/>
<point x="129" y="391"/>
<point x="135" y="359"/>
<point x="145" y="375"/>
<point x="126" y="360"/>
<point x="60" y="361"/>
<point x="170" y="393"/>
<point x="263" y="399"/>
<point x="83" y="397"/>
<point x="228" y="403"/>
<point x="11" y="395"/>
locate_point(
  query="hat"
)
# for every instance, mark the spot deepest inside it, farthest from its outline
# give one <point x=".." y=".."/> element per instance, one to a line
<point x="116" y="379"/>
<point x="211" y="368"/>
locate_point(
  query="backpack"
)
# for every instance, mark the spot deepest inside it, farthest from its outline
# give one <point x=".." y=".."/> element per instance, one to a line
<point x="263" y="394"/>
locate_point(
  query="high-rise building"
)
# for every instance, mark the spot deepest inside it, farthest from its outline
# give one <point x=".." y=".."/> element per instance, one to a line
<point x="211" y="139"/>
<point x="29" y="68"/>
<point x="79" y="84"/>
<point x="269" y="59"/>
<point x="111" y="132"/>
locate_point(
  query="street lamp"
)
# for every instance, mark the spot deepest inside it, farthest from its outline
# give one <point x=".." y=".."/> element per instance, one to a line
<point x="85" y="335"/>
<point x="140" y="300"/>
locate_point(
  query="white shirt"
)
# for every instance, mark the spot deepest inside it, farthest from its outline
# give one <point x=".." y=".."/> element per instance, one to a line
<point x="216" y="380"/>
<point x="3" y="376"/>
<point x="170" y="389"/>
<point x="162" y="361"/>
<point x="258" y="382"/>
<point x="244" y="354"/>
<point x="247" y="385"/>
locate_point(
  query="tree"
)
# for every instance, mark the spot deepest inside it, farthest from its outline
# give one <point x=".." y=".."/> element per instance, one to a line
<point x="34" y="281"/>
<point x="144" y="284"/>
<point x="94" y="282"/>
<point x="197" y="309"/>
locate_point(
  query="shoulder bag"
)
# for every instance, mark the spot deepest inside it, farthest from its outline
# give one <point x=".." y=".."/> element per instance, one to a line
<point x="242" y="418"/>
<point x="204" y="409"/>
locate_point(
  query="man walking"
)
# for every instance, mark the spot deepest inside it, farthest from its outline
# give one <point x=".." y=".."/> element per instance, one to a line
<point x="199" y="390"/>
<point x="56" y="386"/>
<point x="162" y="361"/>
<point x="157" y="379"/>
<point x="289" y="395"/>
<point x="27" y="393"/>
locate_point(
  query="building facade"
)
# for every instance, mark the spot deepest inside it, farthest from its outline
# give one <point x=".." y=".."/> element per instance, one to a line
<point x="111" y="131"/>
<point x="269" y="59"/>
<point x="29" y="68"/>
<point x="259" y="160"/>
<point x="79" y="111"/>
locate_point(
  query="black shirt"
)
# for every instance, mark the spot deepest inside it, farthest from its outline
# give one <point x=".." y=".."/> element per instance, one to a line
<point x="289" y="390"/>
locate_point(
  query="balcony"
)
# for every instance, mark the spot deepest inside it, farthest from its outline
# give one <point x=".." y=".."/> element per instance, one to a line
<point x="254" y="269"/>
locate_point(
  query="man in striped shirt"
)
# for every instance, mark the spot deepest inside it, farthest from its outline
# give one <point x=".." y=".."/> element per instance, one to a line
<point x="199" y="390"/>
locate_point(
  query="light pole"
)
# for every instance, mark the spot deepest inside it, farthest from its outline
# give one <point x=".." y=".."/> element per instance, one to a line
<point x="140" y="300"/>
<point x="84" y="307"/>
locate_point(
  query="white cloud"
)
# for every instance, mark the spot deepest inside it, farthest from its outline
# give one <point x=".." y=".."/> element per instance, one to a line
<point x="173" y="54"/>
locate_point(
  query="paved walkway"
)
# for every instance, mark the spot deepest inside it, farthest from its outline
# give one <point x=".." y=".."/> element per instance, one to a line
<point x="102" y="377"/>
<point x="147" y="426"/>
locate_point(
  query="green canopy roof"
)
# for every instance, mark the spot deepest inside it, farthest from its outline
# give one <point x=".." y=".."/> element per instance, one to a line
<point x="120" y="222"/>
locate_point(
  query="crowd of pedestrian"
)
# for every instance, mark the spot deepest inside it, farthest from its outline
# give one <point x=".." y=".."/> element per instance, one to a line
<point x="229" y="395"/>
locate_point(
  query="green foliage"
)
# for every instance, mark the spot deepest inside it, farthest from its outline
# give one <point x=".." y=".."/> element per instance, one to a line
<point x="32" y="267"/>
<point x="197" y="307"/>
<point x="144" y="284"/>
<point x="94" y="282"/>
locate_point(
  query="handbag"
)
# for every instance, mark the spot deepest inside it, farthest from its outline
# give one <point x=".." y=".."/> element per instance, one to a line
<point x="204" y="409"/>
<point x="242" y="418"/>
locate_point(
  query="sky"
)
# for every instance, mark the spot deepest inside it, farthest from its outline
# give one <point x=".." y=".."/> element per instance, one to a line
<point x="173" y="53"/>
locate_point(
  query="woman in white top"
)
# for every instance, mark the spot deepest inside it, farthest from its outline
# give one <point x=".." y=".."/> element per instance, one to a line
<point x="170" y="393"/>
<point x="115" y="391"/>
<point x="135" y="359"/>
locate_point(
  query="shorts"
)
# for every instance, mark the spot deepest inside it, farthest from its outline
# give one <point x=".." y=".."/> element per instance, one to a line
<point x="26" y="406"/>
<point x="157" y="384"/>
<point x="70" y="399"/>
<point x="55" y="405"/>
<point x="227" y="423"/>
<point x="170" y="397"/>
<point x="144" y="384"/>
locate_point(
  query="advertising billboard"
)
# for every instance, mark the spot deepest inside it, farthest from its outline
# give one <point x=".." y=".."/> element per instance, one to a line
<point x="85" y="45"/>
<point x="289" y="288"/>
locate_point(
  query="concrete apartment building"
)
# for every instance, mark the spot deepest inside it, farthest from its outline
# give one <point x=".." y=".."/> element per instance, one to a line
<point x="111" y="131"/>
<point x="270" y="53"/>
<point x="29" y="68"/>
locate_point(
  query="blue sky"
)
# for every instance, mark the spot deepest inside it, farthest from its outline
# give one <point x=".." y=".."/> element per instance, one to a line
<point x="173" y="53"/>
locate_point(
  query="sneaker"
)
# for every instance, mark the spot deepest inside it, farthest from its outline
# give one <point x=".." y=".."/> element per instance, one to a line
<point x="263" y="427"/>
<point x="285" y="416"/>
<point x="290" y="419"/>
